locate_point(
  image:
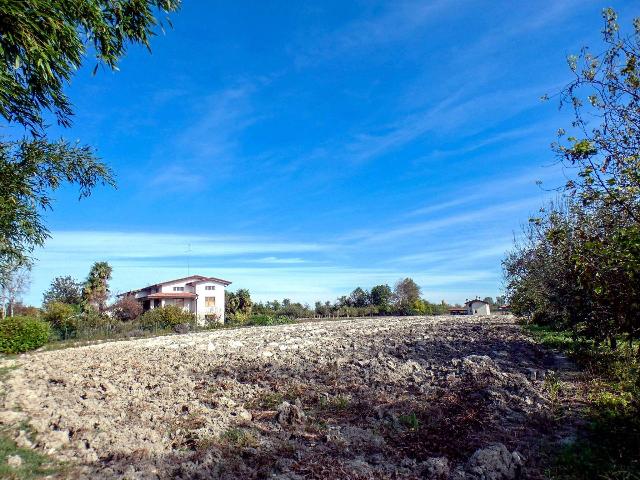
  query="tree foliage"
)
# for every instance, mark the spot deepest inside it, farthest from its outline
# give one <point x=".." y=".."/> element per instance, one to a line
<point x="359" y="298"/>
<point x="166" y="317"/>
<point x="64" y="290"/>
<point x="578" y="263"/>
<point x="381" y="296"/>
<point x="238" y="302"/>
<point x="95" y="292"/>
<point x="21" y="334"/>
<point x="606" y="153"/>
<point x="126" y="308"/>
<point x="63" y="318"/>
<point x="29" y="172"/>
<point x="44" y="42"/>
<point x="406" y="292"/>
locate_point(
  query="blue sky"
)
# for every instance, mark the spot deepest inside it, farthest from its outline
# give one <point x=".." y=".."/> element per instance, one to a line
<point x="305" y="148"/>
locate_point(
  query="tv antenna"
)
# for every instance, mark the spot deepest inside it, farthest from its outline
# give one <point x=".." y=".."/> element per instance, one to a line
<point x="188" y="258"/>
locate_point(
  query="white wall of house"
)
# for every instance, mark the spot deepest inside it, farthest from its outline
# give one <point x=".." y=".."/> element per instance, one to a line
<point x="168" y="288"/>
<point x="210" y="300"/>
<point x="478" y="308"/>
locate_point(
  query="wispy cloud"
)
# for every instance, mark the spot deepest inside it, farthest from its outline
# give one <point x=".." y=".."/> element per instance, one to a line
<point x="207" y="145"/>
<point x="458" y="254"/>
<point x="465" y="220"/>
<point x="83" y="245"/>
<point x="397" y="22"/>
<point x="177" y="178"/>
<point x="212" y="139"/>
<point x="456" y="113"/>
<point x="275" y="260"/>
<point x="503" y="187"/>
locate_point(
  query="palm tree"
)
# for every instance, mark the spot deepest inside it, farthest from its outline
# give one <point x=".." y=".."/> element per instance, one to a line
<point x="96" y="289"/>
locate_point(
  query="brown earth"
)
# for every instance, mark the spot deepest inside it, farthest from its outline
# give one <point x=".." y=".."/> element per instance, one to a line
<point x="437" y="397"/>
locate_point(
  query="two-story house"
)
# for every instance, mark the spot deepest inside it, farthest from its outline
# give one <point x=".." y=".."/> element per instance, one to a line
<point x="202" y="296"/>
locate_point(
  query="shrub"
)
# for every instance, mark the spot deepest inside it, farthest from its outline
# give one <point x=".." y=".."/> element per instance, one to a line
<point x="92" y="325"/>
<point x="165" y="318"/>
<point x="262" y="320"/>
<point x="266" y="320"/>
<point x="62" y="317"/>
<point x="295" y="310"/>
<point x="20" y="334"/>
<point x="127" y="308"/>
<point x="235" y="319"/>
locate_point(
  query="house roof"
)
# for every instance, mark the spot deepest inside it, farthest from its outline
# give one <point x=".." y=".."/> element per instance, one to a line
<point x="170" y="295"/>
<point x="476" y="300"/>
<point x="196" y="278"/>
<point x="210" y="279"/>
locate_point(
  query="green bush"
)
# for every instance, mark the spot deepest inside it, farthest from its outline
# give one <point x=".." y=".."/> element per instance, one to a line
<point x="266" y="320"/>
<point x="262" y="320"/>
<point x="20" y="334"/>
<point x="63" y="317"/>
<point x="165" y="318"/>
<point x="94" y="325"/>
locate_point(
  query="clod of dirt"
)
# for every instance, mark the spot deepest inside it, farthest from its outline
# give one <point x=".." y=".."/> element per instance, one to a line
<point x="9" y="418"/>
<point x="289" y="414"/>
<point x="436" y="468"/>
<point x="495" y="463"/>
<point x="14" y="461"/>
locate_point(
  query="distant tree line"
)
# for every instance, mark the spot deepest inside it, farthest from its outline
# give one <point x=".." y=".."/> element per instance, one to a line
<point x="577" y="266"/>
<point x="404" y="299"/>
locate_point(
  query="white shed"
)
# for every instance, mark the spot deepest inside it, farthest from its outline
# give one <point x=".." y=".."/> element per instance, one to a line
<point x="477" y="307"/>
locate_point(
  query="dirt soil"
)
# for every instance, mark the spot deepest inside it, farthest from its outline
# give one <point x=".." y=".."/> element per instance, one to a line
<point x="437" y="397"/>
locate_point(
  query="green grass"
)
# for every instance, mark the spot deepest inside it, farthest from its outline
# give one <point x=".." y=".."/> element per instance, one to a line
<point x="34" y="465"/>
<point x="608" y="447"/>
<point x="336" y="402"/>
<point x="561" y="340"/>
<point x="238" y="437"/>
<point x="410" y="421"/>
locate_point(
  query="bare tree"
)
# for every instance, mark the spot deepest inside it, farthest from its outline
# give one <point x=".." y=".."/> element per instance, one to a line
<point x="15" y="283"/>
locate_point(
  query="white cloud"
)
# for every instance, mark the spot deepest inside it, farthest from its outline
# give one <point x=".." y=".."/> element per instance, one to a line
<point x="399" y="21"/>
<point x="472" y="217"/>
<point x="176" y="178"/>
<point x="276" y="260"/>
<point x="500" y="188"/>
<point x="141" y="245"/>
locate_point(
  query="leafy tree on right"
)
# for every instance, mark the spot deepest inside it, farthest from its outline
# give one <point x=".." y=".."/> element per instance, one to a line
<point x="578" y="263"/>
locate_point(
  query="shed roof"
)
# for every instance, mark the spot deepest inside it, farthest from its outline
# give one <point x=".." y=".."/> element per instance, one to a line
<point x="476" y="300"/>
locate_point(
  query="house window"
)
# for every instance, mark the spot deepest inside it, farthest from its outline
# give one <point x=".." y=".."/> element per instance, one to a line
<point x="209" y="301"/>
<point x="210" y="287"/>
<point x="178" y="289"/>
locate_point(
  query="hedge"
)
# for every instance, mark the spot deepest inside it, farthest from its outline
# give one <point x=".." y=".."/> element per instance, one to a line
<point x="20" y="334"/>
